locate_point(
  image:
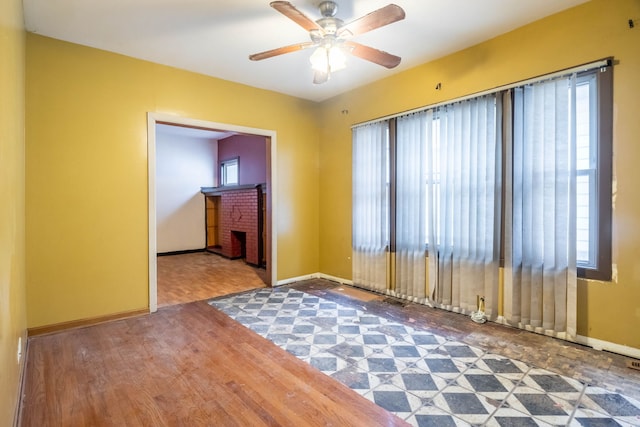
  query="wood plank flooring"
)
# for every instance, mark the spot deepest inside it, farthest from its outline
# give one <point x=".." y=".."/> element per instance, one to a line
<point x="186" y="365"/>
<point x="203" y="275"/>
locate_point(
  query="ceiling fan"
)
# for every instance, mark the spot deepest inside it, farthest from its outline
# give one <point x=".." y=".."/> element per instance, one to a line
<point x="331" y="37"/>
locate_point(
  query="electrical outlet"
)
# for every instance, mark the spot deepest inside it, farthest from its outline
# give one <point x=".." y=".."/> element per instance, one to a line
<point x="19" y="356"/>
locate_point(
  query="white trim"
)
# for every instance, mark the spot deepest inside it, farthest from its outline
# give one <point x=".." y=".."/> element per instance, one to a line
<point x="609" y="346"/>
<point x="580" y="68"/>
<point x="315" y="276"/>
<point x="335" y="279"/>
<point x="152" y="120"/>
<point x="594" y="343"/>
<point x="151" y="207"/>
<point x="297" y="279"/>
<point x="22" y="369"/>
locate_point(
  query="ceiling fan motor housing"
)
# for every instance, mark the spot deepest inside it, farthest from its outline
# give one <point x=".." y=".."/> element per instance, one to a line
<point x="329" y="23"/>
<point x="328" y="8"/>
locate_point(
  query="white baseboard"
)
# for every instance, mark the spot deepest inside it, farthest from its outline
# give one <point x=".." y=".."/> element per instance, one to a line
<point x="609" y="346"/>
<point x="314" y="276"/>
<point x="297" y="279"/>
<point x="335" y="279"/>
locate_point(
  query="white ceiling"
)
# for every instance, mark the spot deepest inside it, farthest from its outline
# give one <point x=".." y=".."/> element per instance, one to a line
<point x="215" y="37"/>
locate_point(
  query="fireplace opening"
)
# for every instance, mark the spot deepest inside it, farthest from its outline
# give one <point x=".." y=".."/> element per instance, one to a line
<point x="238" y="244"/>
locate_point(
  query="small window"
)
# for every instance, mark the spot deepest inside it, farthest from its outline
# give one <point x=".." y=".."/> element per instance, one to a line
<point x="229" y="172"/>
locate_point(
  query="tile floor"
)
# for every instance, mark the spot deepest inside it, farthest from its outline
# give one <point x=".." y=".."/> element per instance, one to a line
<point x="424" y="378"/>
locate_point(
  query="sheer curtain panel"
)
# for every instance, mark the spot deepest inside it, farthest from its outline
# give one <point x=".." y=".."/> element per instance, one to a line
<point x="370" y="222"/>
<point x="540" y="256"/>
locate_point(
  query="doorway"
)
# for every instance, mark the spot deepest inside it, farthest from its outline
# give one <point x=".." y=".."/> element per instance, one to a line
<point x="155" y="119"/>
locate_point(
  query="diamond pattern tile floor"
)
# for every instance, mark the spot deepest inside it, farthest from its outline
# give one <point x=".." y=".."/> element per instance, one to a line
<point x="424" y="378"/>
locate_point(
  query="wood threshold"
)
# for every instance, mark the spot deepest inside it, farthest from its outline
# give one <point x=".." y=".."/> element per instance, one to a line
<point x="81" y="323"/>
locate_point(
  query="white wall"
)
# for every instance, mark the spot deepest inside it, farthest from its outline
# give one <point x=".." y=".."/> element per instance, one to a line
<point x="183" y="165"/>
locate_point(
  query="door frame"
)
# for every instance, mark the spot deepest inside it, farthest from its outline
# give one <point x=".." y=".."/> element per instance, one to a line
<point x="271" y="142"/>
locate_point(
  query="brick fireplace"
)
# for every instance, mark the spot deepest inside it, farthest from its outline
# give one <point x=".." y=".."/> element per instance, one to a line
<point x="238" y="221"/>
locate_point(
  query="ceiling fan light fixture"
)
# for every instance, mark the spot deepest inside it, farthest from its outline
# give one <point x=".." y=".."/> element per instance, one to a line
<point x="330" y="36"/>
<point x="328" y="59"/>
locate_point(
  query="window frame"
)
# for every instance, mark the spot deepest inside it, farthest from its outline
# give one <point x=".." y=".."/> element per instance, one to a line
<point x="224" y="165"/>
<point x="589" y="172"/>
<point x="604" y="177"/>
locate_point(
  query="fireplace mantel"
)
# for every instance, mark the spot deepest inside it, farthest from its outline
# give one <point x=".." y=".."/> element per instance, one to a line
<point x="218" y="191"/>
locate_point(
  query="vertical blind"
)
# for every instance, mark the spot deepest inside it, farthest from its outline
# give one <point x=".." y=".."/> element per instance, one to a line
<point x="411" y="207"/>
<point x="447" y="194"/>
<point x="371" y="205"/>
<point x="467" y="211"/>
<point x="540" y="268"/>
<point x="438" y="239"/>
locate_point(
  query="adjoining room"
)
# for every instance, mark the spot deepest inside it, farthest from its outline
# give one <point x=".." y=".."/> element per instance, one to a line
<point x="209" y="184"/>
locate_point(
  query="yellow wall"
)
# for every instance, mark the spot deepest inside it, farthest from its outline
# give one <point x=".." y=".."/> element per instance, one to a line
<point x="86" y="173"/>
<point x="12" y="264"/>
<point x="594" y="30"/>
<point x="86" y="185"/>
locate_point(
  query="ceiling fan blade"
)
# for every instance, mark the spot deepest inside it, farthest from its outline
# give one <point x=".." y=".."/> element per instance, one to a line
<point x="281" y="51"/>
<point x="376" y="19"/>
<point x="373" y="55"/>
<point x="320" y="77"/>
<point x="289" y="10"/>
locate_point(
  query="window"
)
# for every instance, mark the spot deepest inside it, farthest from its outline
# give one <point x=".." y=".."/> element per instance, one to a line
<point x="586" y="171"/>
<point x="594" y="106"/>
<point x="229" y="172"/>
<point x="521" y="175"/>
<point x="592" y="179"/>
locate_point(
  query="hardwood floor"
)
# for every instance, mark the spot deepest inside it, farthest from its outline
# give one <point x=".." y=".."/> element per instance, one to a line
<point x="202" y="275"/>
<point x="186" y="365"/>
